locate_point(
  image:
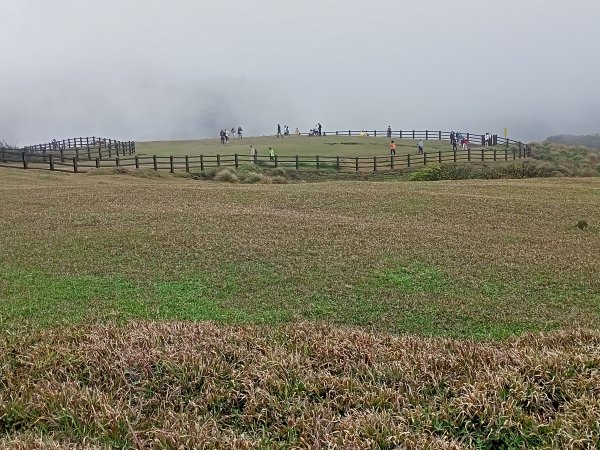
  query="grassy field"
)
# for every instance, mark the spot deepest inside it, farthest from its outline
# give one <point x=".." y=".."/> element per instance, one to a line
<point x="343" y="314"/>
<point x="482" y="259"/>
<point x="294" y="145"/>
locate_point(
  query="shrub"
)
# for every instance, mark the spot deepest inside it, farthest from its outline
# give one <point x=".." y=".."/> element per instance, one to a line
<point x="250" y="177"/>
<point x="279" y="180"/>
<point x="431" y="173"/>
<point x="227" y="176"/>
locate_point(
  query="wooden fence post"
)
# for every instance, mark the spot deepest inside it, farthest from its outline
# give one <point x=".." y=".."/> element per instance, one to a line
<point x="424" y="158"/>
<point x="97" y="163"/>
<point x="356" y="161"/>
<point x="187" y="162"/>
<point x="202" y="163"/>
<point x="75" y="168"/>
<point x="514" y="154"/>
<point x="440" y="156"/>
<point x="400" y="134"/>
<point x="51" y="161"/>
<point x="109" y="152"/>
<point x="25" y="163"/>
<point x="154" y="162"/>
<point x="374" y="163"/>
<point x="468" y="154"/>
<point x="44" y="153"/>
<point x="505" y="154"/>
<point x="62" y="155"/>
<point x="275" y="160"/>
<point x="236" y="160"/>
<point x="117" y="162"/>
<point x="426" y="135"/>
<point x="297" y="163"/>
<point x="89" y="153"/>
<point x="218" y="160"/>
<point x="99" y="152"/>
<point x="454" y="155"/>
<point x="349" y="134"/>
<point x="482" y="154"/>
<point x="495" y="155"/>
<point x="337" y="163"/>
<point x="171" y="164"/>
<point x="413" y="134"/>
<point x="392" y="162"/>
<point x="440" y="135"/>
<point x="76" y="152"/>
<point x="408" y="160"/>
<point x="137" y="162"/>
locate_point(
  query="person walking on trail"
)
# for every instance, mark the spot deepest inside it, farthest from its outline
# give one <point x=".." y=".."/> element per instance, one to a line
<point x="453" y="141"/>
<point x="279" y="131"/>
<point x="392" y="149"/>
<point x="239" y="132"/>
<point x="253" y="154"/>
<point x="271" y="154"/>
<point x="389" y="131"/>
<point x="421" y="146"/>
<point x="319" y="127"/>
<point x="222" y="135"/>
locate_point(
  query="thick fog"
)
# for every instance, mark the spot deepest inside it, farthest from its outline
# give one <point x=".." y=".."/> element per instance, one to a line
<point x="182" y="69"/>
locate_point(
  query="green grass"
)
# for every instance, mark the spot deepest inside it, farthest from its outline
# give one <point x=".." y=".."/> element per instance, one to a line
<point x="294" y="145"/>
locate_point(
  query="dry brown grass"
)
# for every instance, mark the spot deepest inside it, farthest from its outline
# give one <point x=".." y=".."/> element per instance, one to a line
<point x="181" y="385"/>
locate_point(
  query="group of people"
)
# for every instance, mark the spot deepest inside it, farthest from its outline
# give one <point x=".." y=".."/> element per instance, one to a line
<point x="225" y="134"/>
<point x="254" y="154"/>
<point x="457" y="138"/>
<point x="286" y="131"/>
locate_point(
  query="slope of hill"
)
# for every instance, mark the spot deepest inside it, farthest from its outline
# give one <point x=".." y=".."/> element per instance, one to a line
<point x="591" y="141"/>
<point x="567" y="160"/>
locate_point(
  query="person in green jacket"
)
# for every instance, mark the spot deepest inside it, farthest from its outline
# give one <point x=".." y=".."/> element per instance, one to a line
<point x="271" y="154"/>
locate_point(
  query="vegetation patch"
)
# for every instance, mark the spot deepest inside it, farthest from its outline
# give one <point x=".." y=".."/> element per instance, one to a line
<point x="182" y="385"/>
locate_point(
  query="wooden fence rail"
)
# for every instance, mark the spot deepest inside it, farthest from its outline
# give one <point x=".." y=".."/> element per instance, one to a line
<point x="83" y="154"/>
<point x="25" y="160"/>
<point x="83" y="145"/>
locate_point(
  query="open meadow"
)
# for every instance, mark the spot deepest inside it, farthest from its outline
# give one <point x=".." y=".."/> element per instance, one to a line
<point x="347" y="314"/>
<point x="330" y="145"/>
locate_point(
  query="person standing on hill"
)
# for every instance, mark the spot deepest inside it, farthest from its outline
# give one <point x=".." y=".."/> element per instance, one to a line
<point x="453" y="141"/>
<point x="279" y="131"/>
<point x="486" y="139"/>
<point x="271" y="154"/>
<point x="421" y="146"/>
<point x="320" y="128"/>
<point x="240" y="132"/>
<point x="389" y="131"/>
<point x="392" y="149"/>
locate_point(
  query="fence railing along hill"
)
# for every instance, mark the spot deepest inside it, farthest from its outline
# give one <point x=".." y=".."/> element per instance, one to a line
<point x="83" y="154"/>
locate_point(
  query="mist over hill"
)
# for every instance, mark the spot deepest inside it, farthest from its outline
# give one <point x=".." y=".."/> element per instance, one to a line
<point x="591" y="141"/>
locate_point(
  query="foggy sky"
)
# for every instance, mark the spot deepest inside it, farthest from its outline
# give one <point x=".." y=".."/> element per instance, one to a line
<point x="182" y="69"/>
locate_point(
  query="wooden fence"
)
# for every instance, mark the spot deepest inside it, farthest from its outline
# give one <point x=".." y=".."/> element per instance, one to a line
<point x="473" y="138"/>
<point x="25" y="160"/>
<point x="83" y="154"/>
